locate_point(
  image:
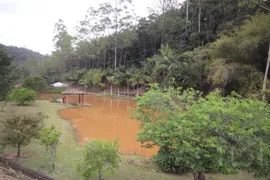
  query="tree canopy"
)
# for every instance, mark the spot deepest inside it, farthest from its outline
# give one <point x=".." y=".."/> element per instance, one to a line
<point x="199" y="43"/>
<point x="205" y="134"/>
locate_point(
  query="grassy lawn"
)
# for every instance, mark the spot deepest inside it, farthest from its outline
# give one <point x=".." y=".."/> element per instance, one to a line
<point x="132" y="167"/>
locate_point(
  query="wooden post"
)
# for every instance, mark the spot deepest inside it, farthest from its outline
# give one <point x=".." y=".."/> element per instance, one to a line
<point x="64" y="99"/>
<point x="82" y="99"/>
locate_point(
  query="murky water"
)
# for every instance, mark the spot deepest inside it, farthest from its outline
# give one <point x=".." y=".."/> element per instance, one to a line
<point x="107" y="119"/>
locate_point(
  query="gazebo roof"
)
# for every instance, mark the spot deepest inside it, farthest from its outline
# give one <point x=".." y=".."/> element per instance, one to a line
<point x="73" y="91"/>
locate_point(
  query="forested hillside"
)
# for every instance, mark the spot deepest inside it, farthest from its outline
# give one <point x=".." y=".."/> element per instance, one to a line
<point x="28" y="62"/>
<point x="21" y="55"/>
<point x="202" y="44"/>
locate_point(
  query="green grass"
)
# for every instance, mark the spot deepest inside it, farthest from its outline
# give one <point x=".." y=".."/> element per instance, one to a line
<point x="69" y="151"/>
<point x="56" y="90"/>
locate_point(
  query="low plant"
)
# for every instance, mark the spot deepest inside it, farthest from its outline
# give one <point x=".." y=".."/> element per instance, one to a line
<point x="22" y="95"/>
<point x="99" y="158"/>
<point x="49" y="138"/>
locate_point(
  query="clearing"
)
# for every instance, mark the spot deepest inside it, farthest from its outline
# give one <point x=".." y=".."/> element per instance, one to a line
<point x="69" y="151"/>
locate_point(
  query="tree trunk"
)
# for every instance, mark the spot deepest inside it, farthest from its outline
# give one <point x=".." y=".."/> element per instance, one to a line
<point x="187" y="17"/>
<point x="187" y="9"/>
<point x="118" y="92"/>
<point x="116" y="32"/>
<point x="125" y="58"/>
<point x="3" y="105"/>
<point x="199" y="19"/>
<point x="111" y="89"/>
<point x="137" y="90"/>
<point x="128" y="91"/>
<point x="266" y="73"/>
<point x="99" y="175"/>
<point x="19" y="150"/>
<point x="198" y="176"/>
<point x="52" y="154"/>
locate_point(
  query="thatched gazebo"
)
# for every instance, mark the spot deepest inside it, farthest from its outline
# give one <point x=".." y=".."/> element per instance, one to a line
<point x="73" y="92"/>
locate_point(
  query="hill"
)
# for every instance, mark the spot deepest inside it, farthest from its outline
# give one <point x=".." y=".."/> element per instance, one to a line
<point x="21" y="55"/>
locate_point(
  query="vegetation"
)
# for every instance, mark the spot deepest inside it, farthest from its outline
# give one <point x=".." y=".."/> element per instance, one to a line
<point x="69" y="151"/>
<point x="49" y="138"/>
<point x="22" y="95"/>
<point x="99" y="158"/>
<point x="212" y="134"/>
<point x="198" y="44"/>
<point x="35" y="83"/>
<point x="21" y="54"/>
<point x="19" y="129"/>
<point x="7" y="74"/>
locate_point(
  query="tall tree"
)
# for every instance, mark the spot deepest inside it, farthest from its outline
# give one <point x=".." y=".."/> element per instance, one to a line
<point x="121" y="20"/>
<point x="164" y="6"/>
<point x="8" y="74"/>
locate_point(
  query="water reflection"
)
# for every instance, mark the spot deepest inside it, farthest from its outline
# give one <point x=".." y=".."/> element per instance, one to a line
<point x="107" y="119"/>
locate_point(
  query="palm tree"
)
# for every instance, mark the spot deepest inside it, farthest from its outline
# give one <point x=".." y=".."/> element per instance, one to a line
<point x="138" y="78"/>
<point x="110" y="80"/>
<point x="120" y="78"/>
<point x="166" y="63"/>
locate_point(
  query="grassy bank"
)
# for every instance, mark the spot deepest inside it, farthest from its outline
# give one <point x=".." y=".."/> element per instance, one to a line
<point x="132" y="167"/>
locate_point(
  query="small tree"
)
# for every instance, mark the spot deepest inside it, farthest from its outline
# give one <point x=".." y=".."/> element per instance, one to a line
<point x="99" y="158"/>
<point x="22" y="95"/>
<point x="20" y="129"/>
<point x="49" y="138"/>
<point x="36" y="83"/>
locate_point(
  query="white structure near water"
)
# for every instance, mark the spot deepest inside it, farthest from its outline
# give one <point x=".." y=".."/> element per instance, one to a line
<point x="58" y="85"/>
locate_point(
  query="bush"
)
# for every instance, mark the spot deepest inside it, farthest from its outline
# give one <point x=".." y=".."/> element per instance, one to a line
<point x="22" y="95"/>
<point x="20" y="129"/>
<point x="99" y="158"/>
<point x="49" y="138"/>
<point x="169" y="161"/>
<point x="36" y="83"/>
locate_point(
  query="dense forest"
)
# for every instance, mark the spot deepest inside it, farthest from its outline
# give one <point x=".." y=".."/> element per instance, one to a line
<point x="27" y="61"/>
<point x="21" y="54"/>
<point x="202" y="44"/>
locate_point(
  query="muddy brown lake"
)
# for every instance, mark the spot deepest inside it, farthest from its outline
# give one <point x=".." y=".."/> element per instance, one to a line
<point x="107" y="119"/>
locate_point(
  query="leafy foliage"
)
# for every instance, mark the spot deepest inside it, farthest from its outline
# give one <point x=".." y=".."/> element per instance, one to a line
<point x="205" y="45"/>
<point x="35" y="83"/>
<point x="22" y="95"/>
<point x="212" y="134"/>
<point x="19" y="129"/>
<point x="99" y="158"/>
<point x="7" y="74"/>
<point x="94" y="78"/>
<point x="49" y="138"/>
<point x="21" y="54"/>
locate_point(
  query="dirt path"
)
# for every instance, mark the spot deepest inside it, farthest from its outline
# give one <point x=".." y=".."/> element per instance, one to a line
<point x="11" y="175"/>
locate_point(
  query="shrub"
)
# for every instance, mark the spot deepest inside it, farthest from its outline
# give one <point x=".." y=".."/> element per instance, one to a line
<point x="20" y="129"/>
<point x="49" y="138"/>
<point x="36" y="83"/>
<point x="22" y="95"/>
<point x="169" y="161"/>
<point x="99" y="158"/>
